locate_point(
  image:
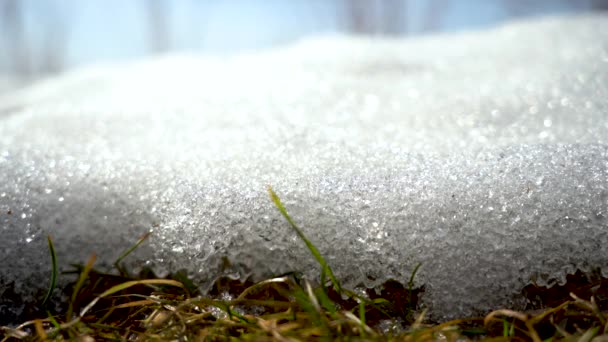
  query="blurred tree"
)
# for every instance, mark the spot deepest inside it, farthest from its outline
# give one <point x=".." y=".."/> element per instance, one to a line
<point x="360" y="15"/>
<point x="53" y="46"/>
<point x="390" y="17"/>
<point x="519" y="8"/>
<point x="394" y="17"/>
<point x="158" y="29"/>
<point x="434" y="14"/>
<point x="599" y="5"/>
<point x="13" y="36"/>
<point x="375" y="16"/>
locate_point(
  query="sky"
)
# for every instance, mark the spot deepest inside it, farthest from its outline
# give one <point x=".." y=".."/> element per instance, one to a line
<point x="92" y="31"/>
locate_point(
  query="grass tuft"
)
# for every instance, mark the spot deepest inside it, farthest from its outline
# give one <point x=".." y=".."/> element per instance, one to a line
<point x="54" y="272"/>
<point x="325" y="269"/>
<point x="81" y="279"/>
<point x="290" y="308"/>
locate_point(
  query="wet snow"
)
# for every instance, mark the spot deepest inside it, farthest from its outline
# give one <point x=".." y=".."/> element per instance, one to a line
<point x="481" y="155"/>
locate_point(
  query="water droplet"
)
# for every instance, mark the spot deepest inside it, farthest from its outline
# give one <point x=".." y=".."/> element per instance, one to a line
<point x="547" y="122"/>
<point x="48" y="191"/>
<point x="61" y="199"/>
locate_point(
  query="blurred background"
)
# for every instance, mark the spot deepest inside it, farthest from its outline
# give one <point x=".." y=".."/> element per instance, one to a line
<point x="41" y="37"/>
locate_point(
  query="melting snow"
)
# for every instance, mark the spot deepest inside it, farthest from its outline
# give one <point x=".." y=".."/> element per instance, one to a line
<point x="482" y="155"/>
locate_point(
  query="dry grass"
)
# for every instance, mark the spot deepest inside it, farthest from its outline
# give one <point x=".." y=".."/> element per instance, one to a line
<point x="292" y="308"/>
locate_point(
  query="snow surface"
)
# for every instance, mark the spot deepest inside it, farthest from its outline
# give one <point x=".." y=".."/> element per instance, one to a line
<point x="482" y="155"/>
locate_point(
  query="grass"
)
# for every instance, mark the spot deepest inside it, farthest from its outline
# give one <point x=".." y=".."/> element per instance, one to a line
<point x="121" y="307"/>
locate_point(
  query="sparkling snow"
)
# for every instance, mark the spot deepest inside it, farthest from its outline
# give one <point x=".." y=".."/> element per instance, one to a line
<point x="482" y="155"/>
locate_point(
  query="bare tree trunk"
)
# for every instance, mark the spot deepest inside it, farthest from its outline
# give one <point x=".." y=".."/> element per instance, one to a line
<point x="434" y="14"/>
<point x="518" y="8"/>
<point x="394" y="17"/>
<point x="599" y="5"/>
<point x="53" y="52"/>
<point x="159" y="31"/>
<point x="53" y="48"/>
<point x="376" y="16"/>
<point x="360" y="16"/>
<point x="11" y="21"/>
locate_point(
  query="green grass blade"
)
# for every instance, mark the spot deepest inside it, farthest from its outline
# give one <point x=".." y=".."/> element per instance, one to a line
<point x="130" y="250"/>
<point x="308" y="305"/>
<point x="323" y="297"/>
<point x="410" y="283"/>
<point x="81" y="279"/>
<point x="410" y="288"/>
<point x="56" y="325"/>
<point x="53" y="272"/>
<point x="362" y="313"/>
<point x="53" y="320"/>
<point x="505" y="328"/>
<point x="325" y="301"/>
<point x="232" y="313"/>
<point x="315" y="252"/>
<point x="183" y="278"/>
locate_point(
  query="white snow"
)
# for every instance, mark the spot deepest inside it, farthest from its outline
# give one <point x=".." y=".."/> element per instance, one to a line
<point x="482" y="155"/>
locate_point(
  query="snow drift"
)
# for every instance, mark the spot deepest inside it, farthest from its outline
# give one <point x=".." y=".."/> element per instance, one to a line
<point x="481" y="155"/>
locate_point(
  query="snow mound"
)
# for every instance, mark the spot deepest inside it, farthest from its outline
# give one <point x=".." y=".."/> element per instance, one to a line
<point x="481" y="155"/>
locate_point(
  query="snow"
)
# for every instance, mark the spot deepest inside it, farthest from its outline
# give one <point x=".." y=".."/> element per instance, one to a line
<point x="481" y="155"/>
